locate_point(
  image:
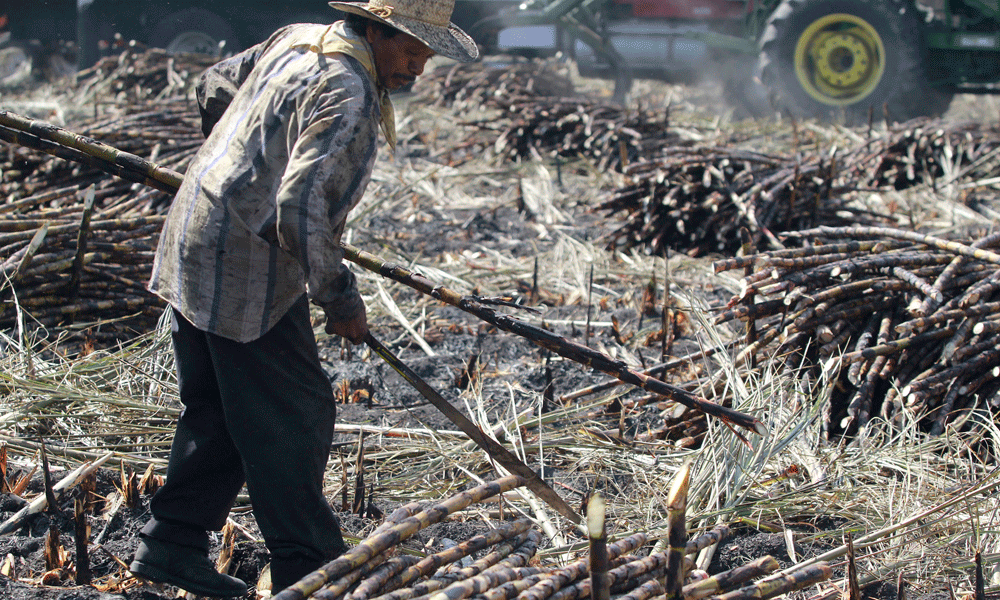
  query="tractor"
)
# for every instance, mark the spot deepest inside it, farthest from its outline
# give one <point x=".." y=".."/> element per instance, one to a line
<point x="852" y="60"/>
<point x="36" y="36"/>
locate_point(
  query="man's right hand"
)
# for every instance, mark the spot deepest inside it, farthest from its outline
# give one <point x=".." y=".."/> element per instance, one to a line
<point x="353" y="329"/>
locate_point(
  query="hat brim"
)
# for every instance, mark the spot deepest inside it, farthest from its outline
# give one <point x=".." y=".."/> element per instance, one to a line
<point x="449" y="41"/>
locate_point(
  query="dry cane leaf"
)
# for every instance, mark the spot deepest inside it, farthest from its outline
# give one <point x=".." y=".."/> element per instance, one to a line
<point x="150" y="482"/>
<point x="130" y="487"/>
<point x="4" y="486"/>
<point x="226" y="552"/>
<point x="22" y="482"/>
<point x="51" y="578"/>
<point x="264" y="583"/>
<point x="7" y="567"/>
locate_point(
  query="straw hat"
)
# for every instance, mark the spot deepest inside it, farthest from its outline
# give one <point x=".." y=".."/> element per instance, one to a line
<point x="427" y="20"/>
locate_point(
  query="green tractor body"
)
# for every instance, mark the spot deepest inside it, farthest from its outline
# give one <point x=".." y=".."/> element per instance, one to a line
<point x="848" y="59"/>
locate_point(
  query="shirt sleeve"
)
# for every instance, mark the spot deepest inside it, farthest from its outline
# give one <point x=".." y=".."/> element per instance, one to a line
<point x="218" y="84"/>
<point x="329" y="166"/>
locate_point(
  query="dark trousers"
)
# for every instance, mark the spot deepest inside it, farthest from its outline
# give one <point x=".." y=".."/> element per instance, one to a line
<point x="261" y="413"/>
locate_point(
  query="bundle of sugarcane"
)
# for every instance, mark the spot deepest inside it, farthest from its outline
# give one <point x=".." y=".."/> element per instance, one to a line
<point x="495" y="83"/>
<point x="507" y="566"/>
<point x="541" y="113"/>
<point x="65" y="266"/>
<point x="696" y="200"/>
<point x="905" y="323"/>
<point x="167" y="131"/>
<point x="605" y="132"/>
<point x="925" y="151"/>
<point x="139" y="74"/>
<point x="77" y="243"/>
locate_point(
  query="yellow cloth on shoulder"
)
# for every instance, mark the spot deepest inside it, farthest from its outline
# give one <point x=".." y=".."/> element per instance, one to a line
<point x="333" y="42"/>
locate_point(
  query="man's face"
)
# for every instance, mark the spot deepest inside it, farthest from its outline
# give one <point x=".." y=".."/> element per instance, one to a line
<point x="399" y="59"/>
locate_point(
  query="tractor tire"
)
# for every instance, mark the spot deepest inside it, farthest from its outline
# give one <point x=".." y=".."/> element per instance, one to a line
<point x="88" y="35"/>
<point x="852" y="60"/>
<point x="15" y="64"/>
<point x="195" y="30"/>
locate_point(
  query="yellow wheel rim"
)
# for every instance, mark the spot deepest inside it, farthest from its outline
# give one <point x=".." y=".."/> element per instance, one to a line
<point x="839" y="59"/>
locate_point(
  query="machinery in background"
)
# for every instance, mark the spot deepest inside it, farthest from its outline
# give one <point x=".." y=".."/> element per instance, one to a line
<point x="37" y="37"/>
<point x="848" y="59"/>
<point x="844" y="59"/>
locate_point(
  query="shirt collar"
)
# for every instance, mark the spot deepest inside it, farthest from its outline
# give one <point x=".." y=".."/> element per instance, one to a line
<point x="336" y="39"/>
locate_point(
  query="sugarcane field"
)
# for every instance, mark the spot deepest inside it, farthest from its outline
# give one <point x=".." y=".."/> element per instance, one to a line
<point x="683" y="353"/>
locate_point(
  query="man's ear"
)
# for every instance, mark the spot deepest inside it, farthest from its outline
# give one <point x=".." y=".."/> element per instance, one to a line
<point x="372" y="32"/>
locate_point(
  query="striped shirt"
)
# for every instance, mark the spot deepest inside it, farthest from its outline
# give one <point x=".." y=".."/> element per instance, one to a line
<point x="258" y="219"/>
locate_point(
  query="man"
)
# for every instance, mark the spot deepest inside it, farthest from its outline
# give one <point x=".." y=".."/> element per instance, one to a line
<point x="251" y="238"/>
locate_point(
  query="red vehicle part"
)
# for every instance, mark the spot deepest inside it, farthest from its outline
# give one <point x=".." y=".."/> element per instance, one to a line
<point x="682" y="9"/>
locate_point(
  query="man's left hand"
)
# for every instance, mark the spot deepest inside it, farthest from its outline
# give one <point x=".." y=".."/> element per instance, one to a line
<point x="353" y="329"/>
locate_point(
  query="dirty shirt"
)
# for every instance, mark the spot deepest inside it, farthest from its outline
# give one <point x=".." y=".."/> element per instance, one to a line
<point x="258" y="219"/>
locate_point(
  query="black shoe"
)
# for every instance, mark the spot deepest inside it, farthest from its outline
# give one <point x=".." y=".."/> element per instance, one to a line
<point x="185" y="567"/>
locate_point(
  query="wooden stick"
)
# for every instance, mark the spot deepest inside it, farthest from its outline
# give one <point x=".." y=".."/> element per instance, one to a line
<point x="41" y="502"/>
<point x="600" y="585"/>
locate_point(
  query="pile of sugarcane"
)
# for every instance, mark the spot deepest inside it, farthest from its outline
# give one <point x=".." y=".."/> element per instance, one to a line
<point x="607" y="133"/>
<point x="541" y="114"/>
<point x="77" y="243"/>
<point x="696" y="200"/>
<point x="73" y="265"/>
<point x="507" y="568"/>
<point x="906" y="324"/>
<point x="496" y="83"/>
<point x="926" y="151"/>
<point x="139" y="74"/>
<point x="500" y="564"/>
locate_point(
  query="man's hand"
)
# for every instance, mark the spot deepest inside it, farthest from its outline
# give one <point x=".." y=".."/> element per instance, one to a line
<point x="354" y="329"/>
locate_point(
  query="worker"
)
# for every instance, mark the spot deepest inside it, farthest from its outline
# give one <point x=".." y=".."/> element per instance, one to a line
<point x="251" y="239"/>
